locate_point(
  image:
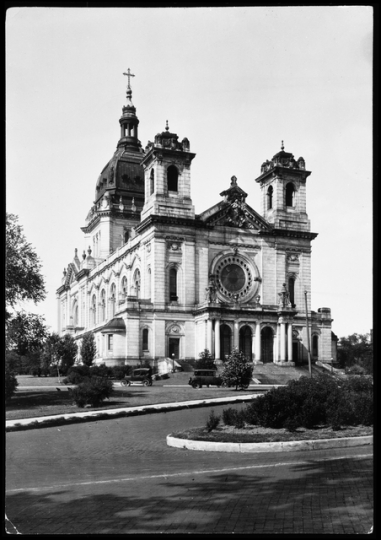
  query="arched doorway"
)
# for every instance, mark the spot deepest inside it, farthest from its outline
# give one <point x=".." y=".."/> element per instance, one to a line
<point x="245" y="341"/>
<point x="267" y="342"/>
<point x="225" y="340"/>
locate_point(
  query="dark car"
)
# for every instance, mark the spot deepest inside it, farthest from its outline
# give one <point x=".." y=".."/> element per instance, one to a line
<point x="139" y="376"/>
<point x="205" y="377"/>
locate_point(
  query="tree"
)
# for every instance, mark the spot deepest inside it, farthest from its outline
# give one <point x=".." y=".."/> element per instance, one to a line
<point x="25" y="337"/>
<point x="356" y="350"/>
<point x="237" y="371"/>
<point x="10" y="383"/>
<point x="67" y="352"/>
<point x="206" y="360"/>
<point x="88" y="349"/>
<point x="23" y="278"/>
<point x="26" y="333"/>
<point x="50" y="355"/>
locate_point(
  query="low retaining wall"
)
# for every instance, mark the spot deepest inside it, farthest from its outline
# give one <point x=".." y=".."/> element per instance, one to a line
<point x="289" y="446"/>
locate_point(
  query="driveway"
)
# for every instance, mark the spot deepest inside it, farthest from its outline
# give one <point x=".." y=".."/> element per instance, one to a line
<point x="119" y="476"/>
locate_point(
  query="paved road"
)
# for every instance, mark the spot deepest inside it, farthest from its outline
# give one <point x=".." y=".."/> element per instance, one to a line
<point x="119" y="476"/>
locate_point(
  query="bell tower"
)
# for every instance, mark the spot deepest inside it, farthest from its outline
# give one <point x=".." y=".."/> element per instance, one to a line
<point x="167" y="182"/>
<point x="283" y="187"/>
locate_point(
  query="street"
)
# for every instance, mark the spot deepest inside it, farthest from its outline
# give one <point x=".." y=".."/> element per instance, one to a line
<point x="119" y="476"/>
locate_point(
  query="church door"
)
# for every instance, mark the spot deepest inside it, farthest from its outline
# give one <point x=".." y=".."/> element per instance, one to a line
<point x="225" y="340"/>
<point x="174" y="347"/>
<point x="267" y="342"/>
<point x="295" y="352"/>
<point x="245" y="342"/>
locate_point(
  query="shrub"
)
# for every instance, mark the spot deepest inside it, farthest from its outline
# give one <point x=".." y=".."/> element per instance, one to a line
<point x="100" y="371"/>
<point x="92" y="392"/>
<point x="206" y="360"/>
<point x="10" y="383"/>
<point x="212" y="421"/>
<point x="229" y="416"/>
<point x="237" y="371"/>
<point x="310" y="402"/>
<point x="77" y="375"/>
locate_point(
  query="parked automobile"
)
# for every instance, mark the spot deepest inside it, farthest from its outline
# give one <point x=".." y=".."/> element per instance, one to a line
<point x="205" y="377"/>
<point x="139" y="376"/>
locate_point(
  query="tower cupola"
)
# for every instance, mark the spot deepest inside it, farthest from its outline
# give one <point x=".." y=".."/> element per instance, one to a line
<point x="283" y="186"/>
<point x="129" y="121"/>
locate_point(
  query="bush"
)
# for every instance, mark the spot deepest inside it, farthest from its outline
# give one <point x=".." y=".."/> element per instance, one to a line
<point x="206" y="360"/>
<point x="310" y="402"/>
<point x="77" y="375"/>
<point x="212" y="421"/>
<point x="229" y="416"/>
<point x="100" y="371"/>
<point x="92" y="392"/>
<point x="10" y="383"/>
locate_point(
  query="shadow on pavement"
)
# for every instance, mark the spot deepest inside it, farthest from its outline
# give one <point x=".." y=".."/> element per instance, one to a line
<point x="318" y="497"/>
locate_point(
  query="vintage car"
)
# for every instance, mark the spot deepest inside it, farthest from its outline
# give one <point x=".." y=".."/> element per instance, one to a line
<point x="205" y="377"/>
<point x="139" y="376"/>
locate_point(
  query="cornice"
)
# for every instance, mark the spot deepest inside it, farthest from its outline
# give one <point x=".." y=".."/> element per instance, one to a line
<point x="289" y="233"/>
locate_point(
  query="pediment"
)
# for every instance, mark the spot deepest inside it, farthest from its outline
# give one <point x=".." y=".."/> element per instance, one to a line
<point x="236" y="213"/>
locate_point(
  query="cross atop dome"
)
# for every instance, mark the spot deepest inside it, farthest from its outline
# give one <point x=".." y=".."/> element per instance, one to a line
<point x="128" y="75"/>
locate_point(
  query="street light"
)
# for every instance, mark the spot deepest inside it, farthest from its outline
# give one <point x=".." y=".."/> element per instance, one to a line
<point x="173" y="362"/>
<point x="308" y="337"/>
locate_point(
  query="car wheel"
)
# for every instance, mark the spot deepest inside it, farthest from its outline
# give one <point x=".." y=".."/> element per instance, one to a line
<point x="145" y="383"/>
<point x="125" y="383"/>
<point x="245" y="386"/>
<point x="194" y="385"/>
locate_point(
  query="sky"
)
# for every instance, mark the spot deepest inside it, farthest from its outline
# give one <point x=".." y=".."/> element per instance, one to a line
<point x="235" y="82"/>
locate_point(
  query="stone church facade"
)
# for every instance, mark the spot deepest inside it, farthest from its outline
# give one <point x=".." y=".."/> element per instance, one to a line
<point x="159" y="281"/>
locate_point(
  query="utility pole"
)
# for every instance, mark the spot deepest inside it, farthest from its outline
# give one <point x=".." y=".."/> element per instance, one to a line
<point x="308" y="337"/>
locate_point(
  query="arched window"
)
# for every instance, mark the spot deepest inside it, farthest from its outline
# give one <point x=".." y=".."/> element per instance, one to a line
<point x="291" y="290"/>
<point x="113" y="299"/>
<point x="94" y="309"/>
<point x="136" y="283"/>
<point x="124" y="286"/>
<point x="145" y="340"/>
<point x="172" y="284"/>
<point x="149" y="283"/>
<point x="172" y="178"/>
<point x="103" y="305"/>
<point x="152" y="182"/>
<point x="315" y="346"/>
<point x="270" y="198"/>
<point x="290" y="195"/>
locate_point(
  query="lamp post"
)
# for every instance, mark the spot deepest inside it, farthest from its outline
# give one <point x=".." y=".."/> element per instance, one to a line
<point x="173" y="362"/>
<point x="308" y="337"/>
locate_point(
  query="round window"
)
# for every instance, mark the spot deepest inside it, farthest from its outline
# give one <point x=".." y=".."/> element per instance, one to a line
<point x="233" y="278"/>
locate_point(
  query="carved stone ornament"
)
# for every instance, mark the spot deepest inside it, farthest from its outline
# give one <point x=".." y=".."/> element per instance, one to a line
<point x="149" y="248"/>
<point x="293" y="257"/>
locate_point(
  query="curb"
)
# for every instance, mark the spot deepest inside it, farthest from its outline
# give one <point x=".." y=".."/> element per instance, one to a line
<point x="108" y="414"/>
<point x="284" y="446"/>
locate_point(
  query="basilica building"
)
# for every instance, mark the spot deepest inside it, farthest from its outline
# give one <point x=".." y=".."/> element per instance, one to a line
<point x="159" y="282"/>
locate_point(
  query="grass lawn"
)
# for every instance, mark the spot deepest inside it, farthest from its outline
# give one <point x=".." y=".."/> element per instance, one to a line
<point x="257" y="434"/>
<point x="29" y="403"/>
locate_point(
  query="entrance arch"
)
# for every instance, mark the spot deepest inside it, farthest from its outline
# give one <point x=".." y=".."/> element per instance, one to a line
<point x="267" y="345"/>
<point x="245" y="342"/>
<point x="225" y="340"/>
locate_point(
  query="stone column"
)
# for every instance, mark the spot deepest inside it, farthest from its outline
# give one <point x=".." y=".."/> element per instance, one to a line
<point x="236" y="335"/>
<point x="252" y="346"/>
<point x="209" y="335"/>
<point x="282" y="341"/>
<point x="289" y="342"/>
<point x="258" y="342"/>
<point x="276" y="344"/>
<point x="217" y="347"/>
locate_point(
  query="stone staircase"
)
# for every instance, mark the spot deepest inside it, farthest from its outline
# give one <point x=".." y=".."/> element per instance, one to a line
<point x="273" y="374"/>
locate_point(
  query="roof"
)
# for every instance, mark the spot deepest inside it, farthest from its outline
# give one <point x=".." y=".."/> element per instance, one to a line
<point x="116" y="324"/>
